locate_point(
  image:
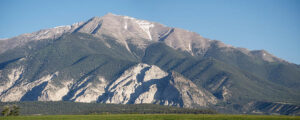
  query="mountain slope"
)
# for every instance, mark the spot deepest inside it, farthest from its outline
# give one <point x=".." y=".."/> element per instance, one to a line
<point x="65" y="60"/>
<point x="124" y="60"/>
<point x="51" y="74"/>
<point x="223" y="80"/>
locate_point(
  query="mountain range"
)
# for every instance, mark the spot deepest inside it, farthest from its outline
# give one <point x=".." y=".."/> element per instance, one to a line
<point x="124" y="60"/>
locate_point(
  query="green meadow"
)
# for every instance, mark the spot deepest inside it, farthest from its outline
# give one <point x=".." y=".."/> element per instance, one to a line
<point x="153" y="117"/>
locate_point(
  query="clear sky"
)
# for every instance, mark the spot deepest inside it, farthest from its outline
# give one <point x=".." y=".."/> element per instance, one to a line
<point x="272" y="25"/>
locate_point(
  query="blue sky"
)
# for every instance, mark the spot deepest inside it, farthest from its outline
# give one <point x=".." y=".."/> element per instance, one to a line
<point x="272" y="25"/>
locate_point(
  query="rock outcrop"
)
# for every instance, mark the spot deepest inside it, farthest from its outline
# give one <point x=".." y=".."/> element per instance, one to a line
<point x="139" y="84"/>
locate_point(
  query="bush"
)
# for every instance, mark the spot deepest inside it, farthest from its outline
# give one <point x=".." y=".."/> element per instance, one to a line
<point x="13" y="110"/>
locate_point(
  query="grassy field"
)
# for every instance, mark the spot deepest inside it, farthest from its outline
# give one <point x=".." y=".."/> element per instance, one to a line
<point x="153" y="117"/>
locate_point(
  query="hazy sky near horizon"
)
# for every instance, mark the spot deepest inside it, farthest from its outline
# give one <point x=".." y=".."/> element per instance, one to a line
<point x="272" y="25"/>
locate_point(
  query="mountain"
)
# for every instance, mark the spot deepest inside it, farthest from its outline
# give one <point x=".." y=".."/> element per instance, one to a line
<point x="124" y="60"/>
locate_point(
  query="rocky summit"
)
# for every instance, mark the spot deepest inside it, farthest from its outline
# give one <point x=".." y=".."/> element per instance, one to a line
<point x="124" y="60"/>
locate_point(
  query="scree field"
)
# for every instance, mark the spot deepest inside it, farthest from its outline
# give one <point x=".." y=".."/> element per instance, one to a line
<point x="153" y="117"/>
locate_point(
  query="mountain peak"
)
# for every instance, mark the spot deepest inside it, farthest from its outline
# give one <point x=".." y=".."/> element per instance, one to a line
<point x="117" y="26"/>
<point x="107" y="15"/>
<point x="110" y="14"/>
<point x="129" y="30"/>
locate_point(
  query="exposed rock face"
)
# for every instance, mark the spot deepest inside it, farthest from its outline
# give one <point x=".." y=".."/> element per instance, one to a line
<point x="219" y="87"/>
<point x="190" y="93"/>
<point x="53" y="92"/>
<point x="139" y="84"/>
<point x="91" y="91"/>
<point x="12" y="77"/>
<point x="149" y="84"/>
<point x="23" y="89"/>
<point x="132" y="84"/>
<point x="186" y="41"/>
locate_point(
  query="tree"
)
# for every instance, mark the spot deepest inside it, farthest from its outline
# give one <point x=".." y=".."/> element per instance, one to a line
<point x="6" y="111"/>
<point x="13" y="110"/>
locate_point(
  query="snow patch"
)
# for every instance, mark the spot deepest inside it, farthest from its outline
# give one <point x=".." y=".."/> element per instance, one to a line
<point x="144" y="25"/>
<point x="125" y="26"/>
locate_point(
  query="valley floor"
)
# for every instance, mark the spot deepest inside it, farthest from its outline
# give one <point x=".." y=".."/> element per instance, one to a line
<point x="153" y="117"/>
